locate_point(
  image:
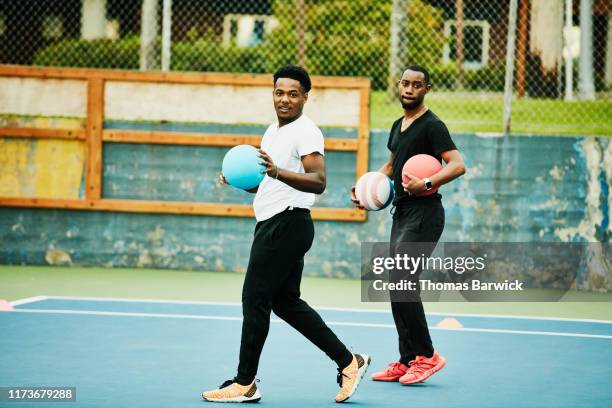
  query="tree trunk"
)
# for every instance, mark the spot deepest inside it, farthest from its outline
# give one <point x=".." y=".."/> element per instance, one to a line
<point x="521" y="47"/>
<point x="546" y="46"/>
<point x="300" y="24"/>
<point x="459" y="45"/>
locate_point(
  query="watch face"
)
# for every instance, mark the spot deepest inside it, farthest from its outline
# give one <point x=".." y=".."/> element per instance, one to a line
<point x="428" y="184"/>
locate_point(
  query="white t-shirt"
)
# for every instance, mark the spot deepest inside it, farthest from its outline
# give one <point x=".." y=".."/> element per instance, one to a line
<point x="286" y="146"/>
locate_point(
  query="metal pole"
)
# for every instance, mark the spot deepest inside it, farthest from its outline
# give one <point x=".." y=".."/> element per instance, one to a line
<point x="585" y="83"/>
<point x="608" y="74"/>
<point x="166" y="35"/>
<point x="148" y="33"/>
<point x="569" y="69"/>
<point x="397" y="46"/>
<point x="510" y="51"/>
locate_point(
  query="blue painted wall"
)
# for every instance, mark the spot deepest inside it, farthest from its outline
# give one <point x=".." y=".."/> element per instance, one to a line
<point x="517" y="189"/>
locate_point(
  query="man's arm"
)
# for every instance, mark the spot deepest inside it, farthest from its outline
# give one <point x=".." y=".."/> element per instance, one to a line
<point x="454" y="168"/>
<point x="312" y="181"/>
<point x="387" y="168"/>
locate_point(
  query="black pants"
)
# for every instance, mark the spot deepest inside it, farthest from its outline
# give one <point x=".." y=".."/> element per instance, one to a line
<point x="422" y="224"/>
<point x="272" y="282"/>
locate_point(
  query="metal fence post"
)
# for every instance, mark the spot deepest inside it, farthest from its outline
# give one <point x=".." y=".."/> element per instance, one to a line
<point x="510" y="52"/>
<point x="166" y="35"/>
<point x="585" y="83"/>
<point x="397" y="50"/>
<point x="569" y="69"/>
<point x="148" y="32"/>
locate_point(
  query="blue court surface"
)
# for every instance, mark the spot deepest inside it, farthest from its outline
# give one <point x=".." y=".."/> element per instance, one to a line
<point x="127" y="353"/>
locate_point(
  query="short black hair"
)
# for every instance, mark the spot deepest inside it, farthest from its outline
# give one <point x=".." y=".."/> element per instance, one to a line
<point x="418" y="68"/>
<point x="294" y="72"/>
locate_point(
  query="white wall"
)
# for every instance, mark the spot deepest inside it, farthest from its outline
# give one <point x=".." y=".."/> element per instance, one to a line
<point x="45" y="97"/>
<point x="221" y="103"/>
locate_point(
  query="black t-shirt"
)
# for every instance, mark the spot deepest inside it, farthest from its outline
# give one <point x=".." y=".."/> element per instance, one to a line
<point x="426" y="135"/>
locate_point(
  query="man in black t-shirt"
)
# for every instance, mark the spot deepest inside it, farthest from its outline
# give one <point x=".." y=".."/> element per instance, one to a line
<point x="418" y="221"/>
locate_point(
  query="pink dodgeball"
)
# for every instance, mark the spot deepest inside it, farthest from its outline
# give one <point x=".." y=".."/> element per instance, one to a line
<point x="421" y="166"/>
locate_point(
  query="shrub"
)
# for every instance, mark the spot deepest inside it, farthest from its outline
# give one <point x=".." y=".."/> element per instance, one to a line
<point x="100" y="53"/>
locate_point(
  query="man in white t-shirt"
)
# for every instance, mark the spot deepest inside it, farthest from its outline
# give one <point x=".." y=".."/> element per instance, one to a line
<point x="293" y="156"/>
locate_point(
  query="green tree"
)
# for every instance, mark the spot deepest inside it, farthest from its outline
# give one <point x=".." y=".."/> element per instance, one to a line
<point x="351" y="37"/>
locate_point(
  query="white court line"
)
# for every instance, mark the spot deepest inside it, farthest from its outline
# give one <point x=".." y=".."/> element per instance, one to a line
<point x="28" y="300"/>
<point x="125" y="314"/>
<point x="352" y="324"/>
<point x="134" y="300"/>
<point x="536" y="333"/>
<point x="335" y="309"/>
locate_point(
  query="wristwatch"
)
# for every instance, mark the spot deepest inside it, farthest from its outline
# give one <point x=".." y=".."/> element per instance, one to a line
<point x="428" y="184"/>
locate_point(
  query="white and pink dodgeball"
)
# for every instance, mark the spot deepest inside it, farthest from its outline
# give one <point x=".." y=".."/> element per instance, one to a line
<point x="374" y="191"/>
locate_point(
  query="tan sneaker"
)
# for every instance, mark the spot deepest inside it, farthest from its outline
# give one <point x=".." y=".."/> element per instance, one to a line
<point x="231" y="391"/>
<point x="350" y="377"/>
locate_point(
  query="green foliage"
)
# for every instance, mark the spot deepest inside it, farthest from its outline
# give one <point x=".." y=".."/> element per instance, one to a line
<point x="199" y="55"/>
<point x="206" y="55"/>
<point x="100" y="53"/>
<point x="488" y="78"/>
<point x="442" y="77"/>
<point x="337" y="45"/>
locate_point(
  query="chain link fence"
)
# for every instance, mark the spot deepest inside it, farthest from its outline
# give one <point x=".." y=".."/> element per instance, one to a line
<point x="525" y="66"/>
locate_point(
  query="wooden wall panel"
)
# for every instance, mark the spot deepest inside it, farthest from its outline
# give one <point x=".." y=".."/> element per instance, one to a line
<point x="94" y="135"/>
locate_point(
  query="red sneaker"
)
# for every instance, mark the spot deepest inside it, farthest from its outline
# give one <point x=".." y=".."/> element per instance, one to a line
<point x="393" y="373"/>
<point x="421" y="368"/>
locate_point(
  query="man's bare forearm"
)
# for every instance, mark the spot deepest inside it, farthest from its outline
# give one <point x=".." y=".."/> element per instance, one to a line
<point x="314" y="182"/>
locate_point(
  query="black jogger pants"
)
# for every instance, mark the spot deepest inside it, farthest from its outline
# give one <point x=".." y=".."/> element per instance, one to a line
<point x="421" y="224"/>
<point x="272" y="283"/>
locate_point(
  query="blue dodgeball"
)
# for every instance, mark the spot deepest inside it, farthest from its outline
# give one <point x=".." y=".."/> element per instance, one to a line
<point x="241" y="167"/>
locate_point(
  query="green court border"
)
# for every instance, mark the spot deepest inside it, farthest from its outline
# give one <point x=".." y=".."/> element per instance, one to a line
<point x="18" y="282"/>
